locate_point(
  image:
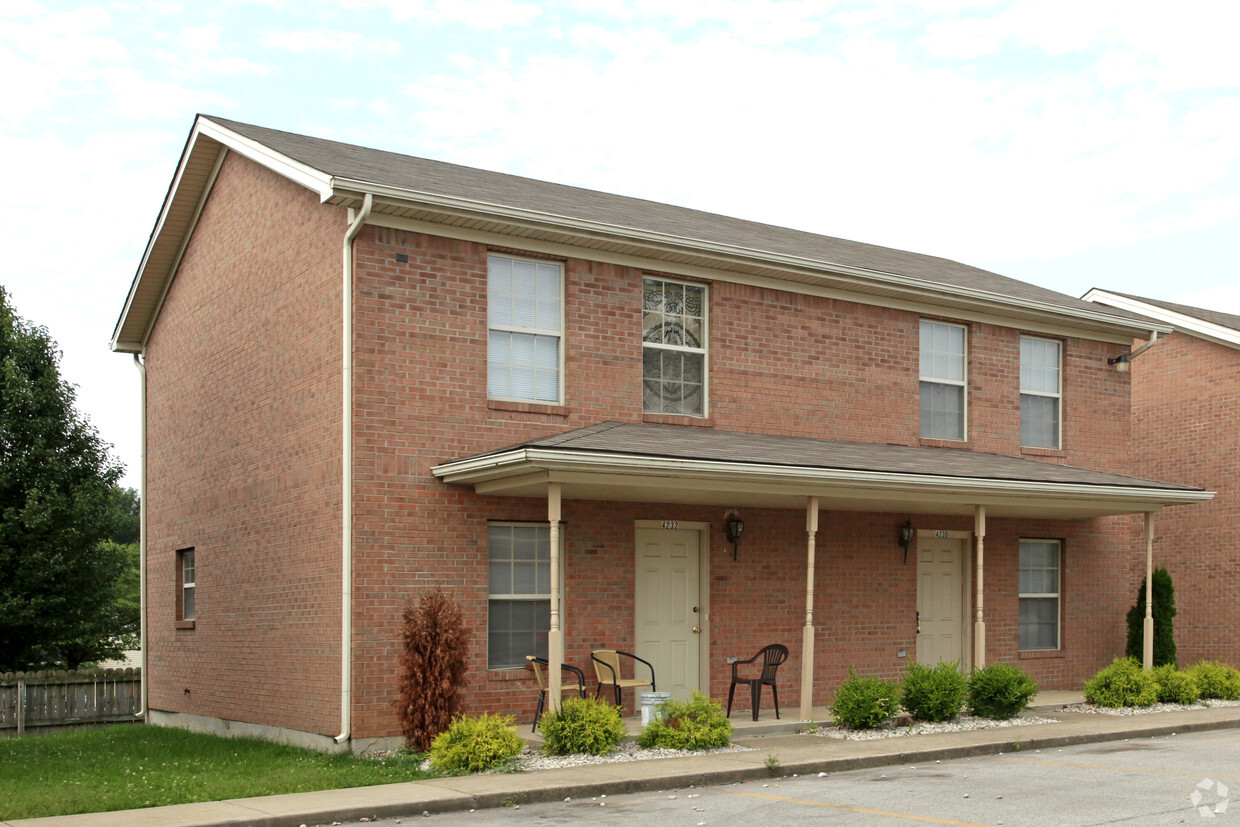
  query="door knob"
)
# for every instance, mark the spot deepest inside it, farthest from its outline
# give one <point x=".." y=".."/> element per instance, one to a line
<point x="697" y="630"/>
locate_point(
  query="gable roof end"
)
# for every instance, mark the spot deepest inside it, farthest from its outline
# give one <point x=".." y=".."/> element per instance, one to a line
<point x="1211" y="325"/>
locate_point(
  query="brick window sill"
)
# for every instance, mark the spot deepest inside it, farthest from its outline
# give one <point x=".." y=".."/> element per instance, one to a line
<point x="677" y="419"/>
<point x="1044" y="452"/>
<point x="928" y="442"/>
<point x="508" y="675"/>
<point x="1041" y="654"/>
<point x="183" y="624"/>
<point x="527" y="407"/>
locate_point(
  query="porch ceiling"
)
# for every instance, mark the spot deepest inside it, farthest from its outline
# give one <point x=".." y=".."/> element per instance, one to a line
<point x="654" y="463"/>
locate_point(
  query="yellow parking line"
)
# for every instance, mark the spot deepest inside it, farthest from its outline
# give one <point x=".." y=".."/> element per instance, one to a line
<point x="866" y="810"/>
<point x="1194" y="774"/>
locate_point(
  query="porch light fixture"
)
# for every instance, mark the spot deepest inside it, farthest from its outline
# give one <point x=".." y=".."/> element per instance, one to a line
<point x="906" y="537"/>
<point x="732" y="529"/>
<point x="1121" y="362"/>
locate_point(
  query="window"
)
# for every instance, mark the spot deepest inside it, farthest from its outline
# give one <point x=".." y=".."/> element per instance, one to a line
<point x="942" y="380"/>
<point x="673" y="348"/>
<point x="519" y="599"/>
<point x="185" y="584"/>
<point x="525" y="323"/>
<point x="1039" y="594"/>
<point x="1039" y="392"/>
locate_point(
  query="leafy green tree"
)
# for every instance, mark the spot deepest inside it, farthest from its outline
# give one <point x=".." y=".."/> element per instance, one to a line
<point x="1164" y="621"/>
<point x="58" y="580"/>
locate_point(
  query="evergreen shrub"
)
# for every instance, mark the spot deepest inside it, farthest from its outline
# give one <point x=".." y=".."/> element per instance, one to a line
<point x="933" y="693"/>
<point x="1163" y="611"/>
<point x="475" y="744"/>
<point x="1216" y="680"/>
<point x="1000" y="691"/>
<point x="698" y="723"/>
<point x="864" y="703"/>
<point x="1123" y="683"/>
<point x="581" y="725"/>
<point x="1174" y="686"/>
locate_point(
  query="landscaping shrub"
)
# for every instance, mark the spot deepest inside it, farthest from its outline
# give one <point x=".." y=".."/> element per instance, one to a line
<point x="933" y="693"/>
<point x="1123" y="683"/>
<point x="698" y="723"/>
<point x="581" y="725"/>
<point x="864" y="703"/>
<point x="1000" y="691"/>
<point x="1164" y="623"/>
<point x="433" y="661"/>
<point x="1174" y="686"/>
<point x="475" y="744"/>
<point x="1216" y="680"/>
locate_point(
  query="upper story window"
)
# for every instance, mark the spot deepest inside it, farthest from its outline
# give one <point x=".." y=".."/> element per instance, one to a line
<point x="942" y="380"/>
<point x="525" y="320"/>
<point x="1040" y="392"/>
<point x="673" y="347"/>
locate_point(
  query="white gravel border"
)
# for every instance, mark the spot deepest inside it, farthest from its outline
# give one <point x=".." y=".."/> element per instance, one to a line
<point x="963" y="723"/>
<point x="1145" y="710"/>
<point x="627" y="751"/>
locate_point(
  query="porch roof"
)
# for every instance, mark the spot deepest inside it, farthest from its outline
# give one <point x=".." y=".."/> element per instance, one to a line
<point x="669" y="463"/>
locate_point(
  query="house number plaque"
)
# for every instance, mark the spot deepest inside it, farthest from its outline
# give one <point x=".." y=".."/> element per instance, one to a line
<point x="670" y="525"/>
<point x="942" y="535"/>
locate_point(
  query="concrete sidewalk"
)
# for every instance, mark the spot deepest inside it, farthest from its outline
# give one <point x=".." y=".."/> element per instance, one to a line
<point x="797" y="754"/>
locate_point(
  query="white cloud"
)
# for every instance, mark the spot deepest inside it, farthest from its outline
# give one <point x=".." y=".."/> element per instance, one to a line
<point x="480" y="14"/>
<point x="323" y="41"/>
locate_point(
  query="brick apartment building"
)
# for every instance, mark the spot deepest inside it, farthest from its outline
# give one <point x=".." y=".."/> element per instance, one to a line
<point x="1186" y="427"/>
<point x="367" y="374"/>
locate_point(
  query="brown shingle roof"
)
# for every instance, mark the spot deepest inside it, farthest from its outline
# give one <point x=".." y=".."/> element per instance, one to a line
<point x="765" y="449"/>
<point x="1211" y="316"/>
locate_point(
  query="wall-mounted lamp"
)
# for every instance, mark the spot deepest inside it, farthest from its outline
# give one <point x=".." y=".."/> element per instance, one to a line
<point x="1122" y="361"/>
<point x="733" y="528"/>
<point x="906" y="537"/>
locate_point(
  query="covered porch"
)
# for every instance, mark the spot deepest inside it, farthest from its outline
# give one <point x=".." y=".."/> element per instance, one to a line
<point x="945" y="495"/>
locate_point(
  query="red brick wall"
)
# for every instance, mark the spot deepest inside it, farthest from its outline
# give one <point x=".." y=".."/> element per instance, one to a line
<point x="243" y="424"/>
<point x="1185" y="396"/>
<point x="779" y="363"/>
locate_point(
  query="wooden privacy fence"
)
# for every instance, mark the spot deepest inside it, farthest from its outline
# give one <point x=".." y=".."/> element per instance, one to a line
<point x="59" y="699"/>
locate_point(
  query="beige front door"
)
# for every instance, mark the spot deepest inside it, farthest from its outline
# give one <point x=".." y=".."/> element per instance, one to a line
<point x="668" y="607"/>
<point x="940" y="600"/>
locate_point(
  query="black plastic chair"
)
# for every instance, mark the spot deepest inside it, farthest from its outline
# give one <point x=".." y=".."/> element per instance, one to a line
<point x="607" y="670"/>
<point x="538" y="664"/>
<point x="771" y="656"/>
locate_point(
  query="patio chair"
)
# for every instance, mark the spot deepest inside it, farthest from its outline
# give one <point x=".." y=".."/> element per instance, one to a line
<point x="538" y="664"/>
<point x="607" y="670"/>
<point x="771" y="657"/>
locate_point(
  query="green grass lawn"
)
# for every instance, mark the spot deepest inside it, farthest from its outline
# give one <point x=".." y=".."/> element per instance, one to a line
<point x="131" y="766"/>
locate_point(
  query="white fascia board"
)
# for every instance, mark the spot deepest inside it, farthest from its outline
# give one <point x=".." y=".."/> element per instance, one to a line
<point x="1178" y="321"/>
<point x="525" y="459"/>
<point x="307" y="176"/>
<point x="343" y="186"/>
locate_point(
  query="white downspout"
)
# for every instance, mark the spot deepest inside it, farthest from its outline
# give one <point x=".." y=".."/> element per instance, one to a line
<point x="137" y="360"/>
<point x="346" y="476"/>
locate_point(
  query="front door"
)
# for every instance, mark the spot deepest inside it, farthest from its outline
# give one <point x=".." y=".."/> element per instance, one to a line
<point x="940" y="600"/>
<point x="668" y="607"/>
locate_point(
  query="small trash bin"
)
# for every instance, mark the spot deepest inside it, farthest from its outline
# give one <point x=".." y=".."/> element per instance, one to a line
<point x="652" y="706"/>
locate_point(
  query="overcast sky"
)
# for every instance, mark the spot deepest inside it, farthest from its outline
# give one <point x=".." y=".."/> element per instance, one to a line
<point x="1070" y="144"/>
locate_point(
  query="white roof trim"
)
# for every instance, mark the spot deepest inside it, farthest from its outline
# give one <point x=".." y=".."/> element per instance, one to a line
<point x="1188" y="324"/>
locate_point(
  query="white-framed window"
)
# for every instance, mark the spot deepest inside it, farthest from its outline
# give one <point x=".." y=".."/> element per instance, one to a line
<point x="1041" y="390"/>
<point x="943" y="380"/>
<point x="519" y="592"/>
<point x="185" y="584"/>
<point x="525" y="324"/>
<point x="1039" y="594"/>
<point x="673" y="347"/>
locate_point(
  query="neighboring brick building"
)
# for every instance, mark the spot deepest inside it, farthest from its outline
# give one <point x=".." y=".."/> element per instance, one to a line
<point x="548" y="379"/>
<point x="1186" y="428"/>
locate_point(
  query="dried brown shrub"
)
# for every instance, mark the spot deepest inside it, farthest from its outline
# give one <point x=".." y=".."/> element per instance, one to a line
<point x="433" y="661"/>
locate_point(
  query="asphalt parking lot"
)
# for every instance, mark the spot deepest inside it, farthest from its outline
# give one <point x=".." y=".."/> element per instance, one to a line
<point x="1188" y="778"/>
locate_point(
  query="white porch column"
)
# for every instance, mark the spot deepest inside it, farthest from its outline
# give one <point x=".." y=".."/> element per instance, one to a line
<point x="979" y="625"/>
<point x="807" y="636"/>
<point x="1147" y="640"/>
<point x="555" y="637"/>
